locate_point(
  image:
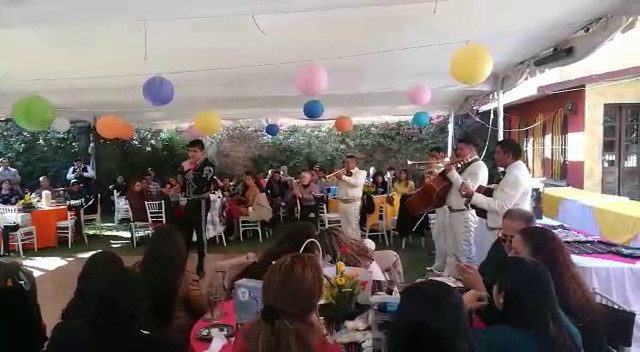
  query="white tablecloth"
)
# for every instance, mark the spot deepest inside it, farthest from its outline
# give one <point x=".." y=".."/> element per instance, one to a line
<point x="24" y="219"/>
<point x="619" y="281"/>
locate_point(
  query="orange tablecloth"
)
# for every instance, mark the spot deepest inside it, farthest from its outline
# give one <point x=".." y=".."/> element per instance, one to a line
<point x="45" y="222"/>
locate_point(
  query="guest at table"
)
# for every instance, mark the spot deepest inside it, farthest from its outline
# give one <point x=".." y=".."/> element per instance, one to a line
<point x="167" y="198"/>
<point x="226" y="188"/>
<point x="256" y="206"/>
<point x="8" y="194"/>
<point x="532" y="320"/>
<point x="380" y="185"/>
<point x="403" y="184"/>
<point x="83" y="174"/>
<point x="120" y="187"/>
<point x="574" y="296"/>
<point x="174" y="296"/>
<point x="153" y="189"/>
<point x="288" y="322"/>
<point x="45" y="185"/>
<point x="77" y="192"/>
<point x="105" y="311"/>
<point x="136" y="198"/>
<point x="260" y="179"/>
<point x="9" y="173"/>
<point x="277" y="189"/>
<point x="431" y="316"/>
<point x="289" y="239"/>
<point x="176" y="188"/>
<point x="303" y="193"/>
<point x="154" y="175"/>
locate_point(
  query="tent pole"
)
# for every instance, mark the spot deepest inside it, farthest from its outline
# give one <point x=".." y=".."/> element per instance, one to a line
<point x="500" y="135"/>
<point x="450" y="137"/>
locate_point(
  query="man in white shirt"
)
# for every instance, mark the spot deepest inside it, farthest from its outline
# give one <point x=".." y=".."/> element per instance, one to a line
<point x="9" y="173"/>
<point x="350" y="184"/>
<point x="436" y="158"/>
<point x="462" y="221"/>
<point x="513" y="191"/>
<point x="82" y="173"/>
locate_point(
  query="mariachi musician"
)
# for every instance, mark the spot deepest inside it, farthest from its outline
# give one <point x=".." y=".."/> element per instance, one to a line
<point x="462" y="220"/>
<point x="350" y="185"/>
<point x="437" y="161"/>
<point x="513" y="191"/>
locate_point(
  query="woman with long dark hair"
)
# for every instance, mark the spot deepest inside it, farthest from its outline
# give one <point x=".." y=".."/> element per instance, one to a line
<point x="404" y="184"/>
<point x="175" y="300"/>
<point x="291" y="291"/>
<point x="530" y="315"/>
<point x="430" y="317"/>
<point x="573" y="294"/>
<point x="380" y="185"/>
<point x="136" y="198"/>
<point x="105" y="311"/>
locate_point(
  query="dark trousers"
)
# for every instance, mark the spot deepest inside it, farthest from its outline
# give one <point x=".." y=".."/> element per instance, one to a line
<point x="195" y="218"/>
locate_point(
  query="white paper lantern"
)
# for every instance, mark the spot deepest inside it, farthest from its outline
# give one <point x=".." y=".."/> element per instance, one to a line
<point x="61" y="124"/>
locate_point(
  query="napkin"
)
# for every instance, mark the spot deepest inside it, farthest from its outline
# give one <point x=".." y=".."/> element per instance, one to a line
<point x="217" y="342"/>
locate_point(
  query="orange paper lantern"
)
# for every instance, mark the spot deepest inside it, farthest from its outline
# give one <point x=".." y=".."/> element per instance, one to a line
<point x="343" y="124"/>
<point x="127" y="131"/>
<point x="110" y="126"/>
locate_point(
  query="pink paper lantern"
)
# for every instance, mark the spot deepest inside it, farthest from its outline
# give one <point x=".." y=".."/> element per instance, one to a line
<point x="419" y="95"/>
<point x="192" y="133"/>
<point x="311" y="80"/>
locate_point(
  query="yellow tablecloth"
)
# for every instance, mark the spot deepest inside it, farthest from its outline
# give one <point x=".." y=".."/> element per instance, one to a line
<point x="334" y="206"/>
<point x="617" y="218"/>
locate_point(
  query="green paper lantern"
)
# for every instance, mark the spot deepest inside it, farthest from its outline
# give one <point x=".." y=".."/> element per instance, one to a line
<point x="33" y="113"/>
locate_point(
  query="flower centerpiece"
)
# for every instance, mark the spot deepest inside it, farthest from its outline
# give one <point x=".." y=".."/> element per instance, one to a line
<point x="27" y="203"/>
<point x="340" y="294"/>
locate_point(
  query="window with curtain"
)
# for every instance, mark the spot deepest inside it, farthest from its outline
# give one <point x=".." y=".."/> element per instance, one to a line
<point x="559" y="147"/>
<point x="538" y="147"/>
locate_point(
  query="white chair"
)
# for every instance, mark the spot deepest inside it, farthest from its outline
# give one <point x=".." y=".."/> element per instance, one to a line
<point x="24" y="234"/>
<point x="121" y="209"/>
<point x="327" y="219"/>
<point x="430" y="217"/>
<point x="245" y="224"/>
<point x="156" y="212"/>
<point x="381" y="229"/>
<point x="137" y="228"/>
<point x="65" y="228"/>
<point x="93" y="219"/>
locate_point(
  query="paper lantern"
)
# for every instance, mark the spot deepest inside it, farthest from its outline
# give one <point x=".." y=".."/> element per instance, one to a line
<point x="272" y="129"/>
<point x="311" y="80"/>
<point x="343" y="124"/>
<point x="33" y="112"/>
<point x="421" y="118"/>
<point x="207" y="122"/>
<point x="110" y="126"/>
<point x="127" y="131"/>
<point x="471" y="64"/>
<point x="191" y="133"/>
<point x="419" y="95"/>
<point x="60" y="124"/>
<point x="158" y="91"/>
<point x="313" y="109"/>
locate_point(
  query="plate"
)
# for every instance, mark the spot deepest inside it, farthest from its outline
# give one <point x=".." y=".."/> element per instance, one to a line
<point x="207" y="332"/>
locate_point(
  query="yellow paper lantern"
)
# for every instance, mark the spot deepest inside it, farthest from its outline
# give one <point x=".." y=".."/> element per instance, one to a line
<point x="471" y="64"/>
<point x="207" y="122"/>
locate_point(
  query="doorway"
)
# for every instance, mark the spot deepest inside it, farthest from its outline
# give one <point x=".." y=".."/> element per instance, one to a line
<point x="621" y="150"/>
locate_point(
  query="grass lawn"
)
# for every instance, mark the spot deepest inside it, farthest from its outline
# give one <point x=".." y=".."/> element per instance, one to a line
<point x="116" y="238"/>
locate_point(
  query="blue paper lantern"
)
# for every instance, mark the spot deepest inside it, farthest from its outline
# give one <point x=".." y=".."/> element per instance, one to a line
<point x="313" y="109"/>
<point x="158" y="91"/>
<point x="421" y="118"/>
<point x="272" y="129"/>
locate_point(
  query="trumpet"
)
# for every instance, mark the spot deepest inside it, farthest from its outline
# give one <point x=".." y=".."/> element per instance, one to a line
<point x="412" y="162"/>
<point x="337" y="172"/>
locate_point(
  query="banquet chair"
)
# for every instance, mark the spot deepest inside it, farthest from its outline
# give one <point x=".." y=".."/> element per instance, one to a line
<point x="23" y="234"/>
<point x="381" y="228"/>
<point x="245" y="224"/>
<point x="65" y="228"/>
<point x="156" y="212"/>
<point x="93" y="219"/>
<point x="618" y="322"/>
<point x="409" y="237"/>
<point x="327" y="219"/>
<point x="138" y="228"/>
<point x="120" y="208"/>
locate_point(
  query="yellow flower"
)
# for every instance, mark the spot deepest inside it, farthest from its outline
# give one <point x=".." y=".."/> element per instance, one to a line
<point x="340" y="281"/>
<point x="340" y="267"/>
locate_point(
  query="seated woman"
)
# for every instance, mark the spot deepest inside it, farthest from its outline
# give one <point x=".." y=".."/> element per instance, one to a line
<point x="277" y="190"/>
<point x="303" y="194"/>
<point x="290" y="238"/>
<point x="403" y="184"/>
<point x="176" y="188"/>
<point x="573" y="294"/>
<point x="380" y="185"/>
<point x="174" y="296"/>
<point x="532" y="320"/>
<point x="8" y="194"/>
<point x="254" y="204"/>
<point x="288" y="322"/>
<point x="430" y="317"/>
<point x="136" y="198"/>
<point x="105" y="311"/>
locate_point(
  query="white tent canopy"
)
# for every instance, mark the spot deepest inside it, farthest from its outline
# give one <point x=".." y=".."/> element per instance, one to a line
<point x="240" y="57"/>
